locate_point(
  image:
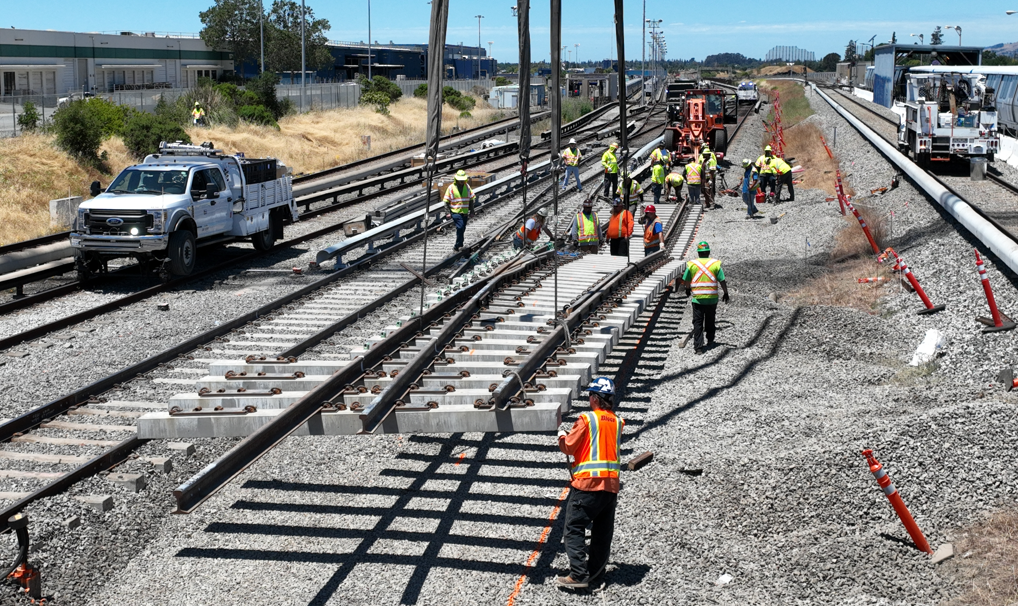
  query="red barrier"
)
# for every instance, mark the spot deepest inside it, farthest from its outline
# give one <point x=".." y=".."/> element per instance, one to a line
<point x="824" y="141"/>
<point x="930" y="307"/>
<point x="865" y="228"/>
<point x="840" y="189"/>
<point x="868" y="280"/>
<point x="899" y="506"/>
<point x="997" y="323"/>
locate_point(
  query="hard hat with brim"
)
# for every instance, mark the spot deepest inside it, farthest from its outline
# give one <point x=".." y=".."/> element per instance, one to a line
<point x="702" y="246"/>
<point x="461" y="175"/>
<point x="614" y="145"/>
<point x="767" y="148"/>
<point x="572" y="142"/>
<point x="602" y="386"/>
<point x="649" y="209"/>
<point x="542" y="212"/>
<point x="746" y="163"/>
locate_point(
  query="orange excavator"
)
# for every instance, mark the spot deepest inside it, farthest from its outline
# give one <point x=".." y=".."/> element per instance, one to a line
<point x="698" y="116"/>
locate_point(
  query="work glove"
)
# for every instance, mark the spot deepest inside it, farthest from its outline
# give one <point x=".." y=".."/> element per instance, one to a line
<point x="724" y="298"/>
<point x="689" y="292"/>
<point x="562" y="433"/>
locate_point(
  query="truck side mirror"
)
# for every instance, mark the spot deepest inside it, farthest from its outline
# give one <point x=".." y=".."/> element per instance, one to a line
<point x="95" y="189"/>
<point x="212" y="191"/>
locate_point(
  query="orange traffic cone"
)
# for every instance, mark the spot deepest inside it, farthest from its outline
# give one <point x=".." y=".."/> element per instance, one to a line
<point x="899" y="506"/>
<point x="998" y="322"/>
<point x="1006" y="377"/>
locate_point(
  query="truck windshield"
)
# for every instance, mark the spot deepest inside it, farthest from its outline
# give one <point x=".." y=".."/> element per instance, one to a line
<point x="141" y="181"/>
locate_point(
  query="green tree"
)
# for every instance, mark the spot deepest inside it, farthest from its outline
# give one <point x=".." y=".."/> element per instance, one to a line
<point x="421" y="92"/>
<point x="143" y="133"/>
<point x="264" y="86"/>
<point x="29" y="117"/>
<point x="850" y="54"/>
<point x="378" y="99"/>
<point x="381" y="84"/>
<point x="501" y="81"/>
<point x="829" y="63"/>
<point x="283" y="39"/>
<point x="233" y="25"/>
<point x="937" y="37"/>
<point x="79" y="132"/>
<point x="257" y="114"/>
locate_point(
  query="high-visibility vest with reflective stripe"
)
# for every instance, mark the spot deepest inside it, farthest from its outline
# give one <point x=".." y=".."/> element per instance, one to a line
<point x="634" y="188"/>
<point x="657" y="174"/>
<point x="674" y="179"/>
<point x="599" y="456"/>
<point x="610" y="162"/>
<point x="529" y="235"/>
<point x="781" y="167"/>
<point x="705" y="280"/>
<point x="651" y="239"/>
<point x="586" y="229"/>
<point x="657" y="154"/>
<point x="459" y="199"/>
<point x="616" y="223"/>
<point x="571" y="158"/>
<point x="709" y="159"/>
<point x="765" y="165"/>
<point x="693" y="173"/>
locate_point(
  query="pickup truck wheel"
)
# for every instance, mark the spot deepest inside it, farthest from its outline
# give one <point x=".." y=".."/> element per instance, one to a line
<point x="264" y="240"/>
<point x="85" y="265"/>
<point x="182" y="253"/>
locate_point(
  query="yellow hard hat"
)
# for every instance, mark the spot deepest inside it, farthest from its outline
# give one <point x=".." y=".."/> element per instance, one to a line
<point x="461" y="175"/>
<point x="767" y="148"/>
<point x="614" y="145"/>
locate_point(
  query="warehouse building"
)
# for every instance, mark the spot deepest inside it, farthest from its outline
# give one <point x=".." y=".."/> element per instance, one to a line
<point x="36" y="62"/>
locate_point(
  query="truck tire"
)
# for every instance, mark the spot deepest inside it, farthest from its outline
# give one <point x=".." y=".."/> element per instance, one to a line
<point x="182" y="253"/>
<point x="86" y="265"/>
<point x="264" y="240"/>
<point x="720" y="141"/>
<point x="669" y="140"/>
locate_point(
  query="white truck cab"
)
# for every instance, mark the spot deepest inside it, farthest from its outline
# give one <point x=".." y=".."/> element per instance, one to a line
<point x="186" y="195"/>
<point x="948" y="114"/>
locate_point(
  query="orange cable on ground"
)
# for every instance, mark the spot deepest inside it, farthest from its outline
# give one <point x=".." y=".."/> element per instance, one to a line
<point x="537" y="550"/>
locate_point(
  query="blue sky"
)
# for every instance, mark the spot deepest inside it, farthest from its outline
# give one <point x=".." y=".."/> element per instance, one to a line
<point x="750" y="28"/>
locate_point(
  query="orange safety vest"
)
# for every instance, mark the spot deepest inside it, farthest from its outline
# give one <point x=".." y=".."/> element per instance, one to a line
<point x="529" y="235"/>
<point x="625" y="219"/>
<point x="586" y="229"/>
<point x="599" y="456"/>
<point x="650" y="238"/>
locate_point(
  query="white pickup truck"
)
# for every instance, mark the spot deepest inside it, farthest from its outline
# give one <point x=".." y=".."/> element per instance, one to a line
<point x="186" y="195"/>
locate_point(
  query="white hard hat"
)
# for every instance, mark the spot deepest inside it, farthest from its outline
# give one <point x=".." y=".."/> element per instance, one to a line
<point x="572" y="142"/>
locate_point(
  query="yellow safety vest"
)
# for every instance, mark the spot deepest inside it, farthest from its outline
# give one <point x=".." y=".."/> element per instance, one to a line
<point x="657" y="174"/>
<point x="765" y="165"/>
<point x="705" y="280"/>
<point x="781" y="166"/>
<point x="459" y="200"/>
<point x="610" y="162"/>
<point x="664" y="157"/>
<point x="693" y="173"/>
<point x="571" y="158"/>
<point x="586" y="229"/>
<point x="634" y="188"/>
<point x="674" y="179"/>
<point x="709" y="159"/>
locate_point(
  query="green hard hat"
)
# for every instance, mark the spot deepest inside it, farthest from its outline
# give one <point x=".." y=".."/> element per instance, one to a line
<point x="703" y="246"/>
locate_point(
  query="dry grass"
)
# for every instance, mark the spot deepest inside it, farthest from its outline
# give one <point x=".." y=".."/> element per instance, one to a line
<point x="839" y="287"/>
<point x="322" y="139"/>
<point x="850" y="239"/>
<point x="34" y="171"/>
<point x="772" y="70"/>
<point x="991" y="572"/>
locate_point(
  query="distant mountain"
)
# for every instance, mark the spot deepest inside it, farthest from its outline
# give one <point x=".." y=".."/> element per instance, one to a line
<point x="1004" y="47"/>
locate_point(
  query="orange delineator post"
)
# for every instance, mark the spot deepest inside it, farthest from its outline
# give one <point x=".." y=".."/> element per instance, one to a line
<point x="865" y="228"/>
<point x="930" y="307"/>
<point x="829" y="154"/>
<point x="899" y="506"/>
<point x="868" y="280"/>
<point x="997" y="324"/>
<point x="840" y="190"/>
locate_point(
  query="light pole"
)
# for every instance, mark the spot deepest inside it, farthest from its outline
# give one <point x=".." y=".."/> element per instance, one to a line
<point x="577" y="55"/>
<point x="369" y="39"/>
<point x="490" y="42"/>
<point x="261" y="31"/>
<point x="303" y="57"/>
<point x="920" y="36"/>
<point x="956" y="28"/>
<point x="643" y="59"/>
<point x="479" y="17"/>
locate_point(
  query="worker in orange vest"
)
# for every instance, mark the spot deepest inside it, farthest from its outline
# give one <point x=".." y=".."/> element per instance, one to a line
<point x="594" y="443"/>
<point x="531" y="230"/>
<point x="620" y="228"/>
<point x="653" y="231"/>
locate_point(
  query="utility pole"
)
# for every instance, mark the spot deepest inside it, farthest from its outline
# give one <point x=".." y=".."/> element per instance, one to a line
<point x="577" y="55"/>
<point x="643" y="59"/>
<point x="261" y="31"/>
<point x="479" y="17"/>
<point x="303" y="57"/>
<point x="369" y="39"/>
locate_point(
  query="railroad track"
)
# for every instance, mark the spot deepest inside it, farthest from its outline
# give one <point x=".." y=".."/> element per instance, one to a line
<point x="354" y="206"/>
<point x="45" y="440"/>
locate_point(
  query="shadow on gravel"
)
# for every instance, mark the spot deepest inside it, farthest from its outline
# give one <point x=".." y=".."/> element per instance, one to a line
<point x="399" y="507"/>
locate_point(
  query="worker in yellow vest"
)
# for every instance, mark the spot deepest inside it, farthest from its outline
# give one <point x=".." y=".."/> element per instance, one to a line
<point x="198" y="115"/>
<point x="661" y="155"/>
<point x="657" y="179"/>
<point x="674" y="180"/>
<point x="635" y="189"/>
<point x="571" y="157"/>
<point x="611" y="169"/>
<point x="702" y="278"/>
<point x="531" y="230"/>
<point x="585" y="230"/>
<point x="784" y="177"/>
<point x="620" y="228"/>
<point x="766" y="168"/>
<point x="653" y="231"/>
<point x="595" y="445"/>
<point x="459" y="203"/>
<point x="693" y="177"/>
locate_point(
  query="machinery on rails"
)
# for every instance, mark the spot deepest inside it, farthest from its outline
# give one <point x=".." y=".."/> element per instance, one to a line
<point x="697" y="116"/>
<point x="947" y="115"/>
<point x="158" y="210"/>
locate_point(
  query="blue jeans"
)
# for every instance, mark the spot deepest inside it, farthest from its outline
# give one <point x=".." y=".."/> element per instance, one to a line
<point x="460" y="221"/>
<point x="749" y="197"/>
<point x="575" y="171"/>
<point x="657" y="192"/>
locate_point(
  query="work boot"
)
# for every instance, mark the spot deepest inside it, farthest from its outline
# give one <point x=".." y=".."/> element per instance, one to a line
<point x="567" y="582"/>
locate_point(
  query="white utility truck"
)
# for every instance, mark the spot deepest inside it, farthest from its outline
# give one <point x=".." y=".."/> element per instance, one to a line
<point x="948" y="114"/>
<point x="747" y="93"/>
<point x="184" y="196"/>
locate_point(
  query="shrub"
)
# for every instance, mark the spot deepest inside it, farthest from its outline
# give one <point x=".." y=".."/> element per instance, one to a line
<point x="421" y="92"/>
<point x="29" y="117"/>
<point x="466" y="115"/>
<point x="219" y="110"/>
<point x="247" y="97"/>
<point x="229" y="91"/>
<point x="265" y="87"/>
<point x="257" y="114"/>
<point x="501" y="81"/>
<point x="143" y="133"/>
<point x="79" y="132"/>
<point x="172" y="112"/>
<point x="378" y="99"/>
<point x="111" y="116"/>
<point x="463" y="103"/>
<point x="381" y="84"/>
<point x="449" y="93"/>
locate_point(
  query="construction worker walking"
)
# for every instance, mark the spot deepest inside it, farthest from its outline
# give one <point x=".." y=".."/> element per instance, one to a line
<point x="459" y="203"/>
<point x="692" y="175"/>
<point x="611" y="169"/>
<point x="635" y="189"/>
<point x="198" y="115"/>
<point x="531" y="230"/>
<point x="620" y="228"/>
<point x="657" y="179"/>
<point x="702" y="278"/>
<point x="594" y="442"/>
<point x="674" y="180"/>
<point x="653" y="231"/>
<point x="585" y="229"/>
<point x="765" y="167"/>
<point x="749" y="185"/>
<point x="784" y="177"/>
<point x="571" y="157"/>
